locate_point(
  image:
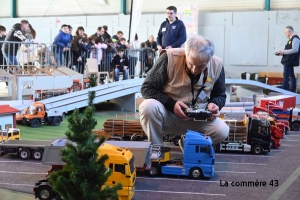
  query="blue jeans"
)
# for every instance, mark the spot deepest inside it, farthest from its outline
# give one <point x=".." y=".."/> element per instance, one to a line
<point x="125" y="74"/>
<point x="10" y="59"/>
<point x="288" y="71"/>
<point x="59" y="57"/>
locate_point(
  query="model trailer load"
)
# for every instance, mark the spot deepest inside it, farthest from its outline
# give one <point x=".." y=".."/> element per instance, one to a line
<point x="130" y="130"/>
<point x="122" y="162"/>
<point x="24" y="149"/>
<point x="251" y="134"/>
<point x="37" y="114"/>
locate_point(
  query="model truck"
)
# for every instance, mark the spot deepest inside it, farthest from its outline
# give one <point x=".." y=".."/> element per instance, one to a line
<point x="10" y="134"/>
<point x="37" y="114"/>
<point x="121" y="161"/>
<point x="24" y="149"/>
<point x="249" y="134"/>
<point x="198" y="158"/>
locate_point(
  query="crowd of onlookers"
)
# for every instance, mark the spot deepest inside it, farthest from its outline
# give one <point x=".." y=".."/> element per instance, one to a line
<point x="113" y="53"/>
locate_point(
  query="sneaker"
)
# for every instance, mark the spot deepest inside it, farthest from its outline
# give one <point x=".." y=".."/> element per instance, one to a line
<point x="181" y="143"/>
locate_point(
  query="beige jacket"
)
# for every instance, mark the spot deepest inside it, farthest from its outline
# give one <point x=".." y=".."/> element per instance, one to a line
<point x="179" y="83"/>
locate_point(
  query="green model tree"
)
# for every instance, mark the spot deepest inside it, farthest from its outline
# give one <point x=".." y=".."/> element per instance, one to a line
<point x="84" y="175"/>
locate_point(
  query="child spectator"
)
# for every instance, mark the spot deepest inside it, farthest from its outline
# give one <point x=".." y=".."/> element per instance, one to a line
<point x="123" y="44"/>
<point x="109" y="53"/>
<point x="79" y="31"/>
<point x="77" y="53"/>
<point x="144" y="50"/>
<point x="61" y="44"/>
<point x="120" y="63"/>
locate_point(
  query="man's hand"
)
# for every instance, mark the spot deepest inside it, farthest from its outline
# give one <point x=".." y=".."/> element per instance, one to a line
<point x="159" y="48"/>
<point x="125" y="67"/>
<point x="281" y="52"/>
<point x="178" y="110"/>
<point x="214" y="109"/>
<point x="169" y="47"/>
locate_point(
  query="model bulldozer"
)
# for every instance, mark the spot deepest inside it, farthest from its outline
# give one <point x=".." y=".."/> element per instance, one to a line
<point x="38" y="114"/>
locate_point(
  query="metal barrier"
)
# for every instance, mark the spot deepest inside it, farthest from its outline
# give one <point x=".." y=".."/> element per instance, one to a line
<point x="24" y="54"/>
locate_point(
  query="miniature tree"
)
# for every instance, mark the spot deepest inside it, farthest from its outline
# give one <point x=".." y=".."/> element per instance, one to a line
<point x="93" y="81"/>
<point x="84" y="175"/>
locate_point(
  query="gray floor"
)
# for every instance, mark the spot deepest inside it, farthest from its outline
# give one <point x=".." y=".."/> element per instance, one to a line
<point x="278" y="165"/>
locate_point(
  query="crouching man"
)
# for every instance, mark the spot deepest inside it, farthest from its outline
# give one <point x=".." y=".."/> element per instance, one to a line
<point x="182" y="78"/>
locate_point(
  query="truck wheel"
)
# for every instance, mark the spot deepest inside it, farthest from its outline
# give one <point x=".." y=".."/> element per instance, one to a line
<point x="176" y="140"/>
<point x="257" y="149"/>
<point x="295" y="126"/>
<point x="35" y="123"/>
<point x="56" y="121"/>
<point x="154" y="171"/>
<point x="37" y="154"/>
<point x="272" y="144"/>
<point x="24" y="154"/>
<point x="45" y="192"/>
<point x="195" y="173"/>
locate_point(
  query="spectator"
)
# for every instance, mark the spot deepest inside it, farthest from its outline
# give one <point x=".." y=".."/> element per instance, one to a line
<point x="2" y="38"/>
<point x="77" y="53"/>
<point x="123" y="44"/>
<point x="62" y="44"/>
<point x="133" y="55"/>
<point x="120" y="63"/>
<point x="16" y="34"/>
<point x="70" y="28"/>
<point x="144" y="58"/>
<point x="151" y="54"/>
<point x="172" y="33"/>
<point x="109" y="53"/>
<point x="106" y="35"/>
<point x="28" y="52"/>
<point x="84" y="35"/>
<point x="79" y="31"/>
<point x="97" y="52"/>
<point x="100" y="33"/>
<point x="86" y="48"/>
<point x="118" y="37"/>
<point x="290" y="58"/>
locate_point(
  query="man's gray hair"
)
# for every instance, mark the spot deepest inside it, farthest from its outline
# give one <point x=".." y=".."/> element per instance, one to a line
<point x="290" y="28"/>
<point x="199" y="47"/>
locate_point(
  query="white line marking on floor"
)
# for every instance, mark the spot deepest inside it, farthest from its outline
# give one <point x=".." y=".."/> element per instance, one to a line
<point x="285" y="185"/>
<point x="172" y="192"/>
<point x="20" y="172"/>
<point x="173" y="179"/>
<point x="240" y="163"/>
<point x="286" y="145"/>
<point x="222" y="154"/>
<point x="16" y="184"/>
<point x="10" y="161"/>
<point x="235" y="172"/>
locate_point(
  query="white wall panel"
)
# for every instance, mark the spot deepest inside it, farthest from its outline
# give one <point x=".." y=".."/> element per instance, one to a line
<point x="287" y="17"/>
<point x="211" y="19"/>
<point x="96" y="21"/>
<point x="42" y="22"/>
<point x="74" y="21"/>
<point x="249" y="45"/>
<point x="9" y="22"/>
<point x="250" y="18"/>
<point x="5" y="8"/>
<point x="216" y="34"/>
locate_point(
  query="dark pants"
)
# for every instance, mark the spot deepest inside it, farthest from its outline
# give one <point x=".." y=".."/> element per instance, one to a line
<point x="132" y="64"/>
<point x="288" y="72"/>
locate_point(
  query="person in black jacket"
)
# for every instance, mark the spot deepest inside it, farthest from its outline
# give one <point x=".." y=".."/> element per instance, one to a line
<point x="106" y="34"/>
<point x="151" y="54"/>
<point x="290" y="58"/>
<point x="2" y="38"/>
<point x="77" y="52"/>
<point x="120" y="63"/>
<point x="16" y="34"/>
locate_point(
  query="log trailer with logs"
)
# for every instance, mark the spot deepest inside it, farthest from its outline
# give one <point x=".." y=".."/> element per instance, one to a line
<point x="130" y="130"/>
<point x="247" y="134"/>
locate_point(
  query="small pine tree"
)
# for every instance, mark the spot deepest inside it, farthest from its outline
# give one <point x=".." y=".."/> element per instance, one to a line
<point x="93" y="81"/>
<point x="84" y="175"/>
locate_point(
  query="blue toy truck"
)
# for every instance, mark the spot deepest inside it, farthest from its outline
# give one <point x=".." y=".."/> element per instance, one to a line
<point x="198" y="158"/>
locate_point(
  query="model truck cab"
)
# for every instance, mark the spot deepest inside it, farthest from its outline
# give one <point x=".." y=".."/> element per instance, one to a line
<point x="37" y="114"/>
<point x="198" y="159"/>
<point x="10" y="134"/>
<point x="120" y="161"/>
<point x="252" y="134"/>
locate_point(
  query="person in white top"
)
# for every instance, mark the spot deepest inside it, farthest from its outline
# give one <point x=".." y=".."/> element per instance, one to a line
<point x="133" y="55"/>
<point x="27" y="53"/>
